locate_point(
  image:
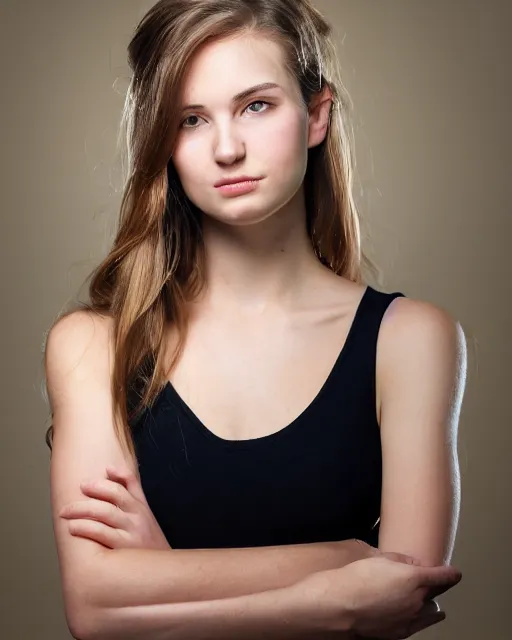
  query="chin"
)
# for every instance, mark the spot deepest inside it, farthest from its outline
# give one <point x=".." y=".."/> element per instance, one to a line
<point x="244" y="218"/>
<point x="241" y="215"/>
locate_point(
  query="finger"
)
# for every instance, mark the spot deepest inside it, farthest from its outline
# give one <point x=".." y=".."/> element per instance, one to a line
<point x="118" y="475"/>
<point x="438" y="580"/>
<point x="430" y="607"/>
<point x="109" y="491"/>
<point x="426" y="621"/>
<point x="95" y="510"/>
<point x="129" y="480"/>
<point x="434" y="592"/>
<point x="106" y="536"/>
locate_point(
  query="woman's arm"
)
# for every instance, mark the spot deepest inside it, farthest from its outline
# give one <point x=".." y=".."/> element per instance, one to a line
<point x="278" y="614"/>
<point x="78" y="382"/>
<point x="372" y="598"/>
<point x="145" y="577"/>
<point x="421" y="372"/>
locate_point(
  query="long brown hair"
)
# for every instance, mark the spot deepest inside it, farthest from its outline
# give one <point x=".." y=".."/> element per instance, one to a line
<point x="156" y="263"/>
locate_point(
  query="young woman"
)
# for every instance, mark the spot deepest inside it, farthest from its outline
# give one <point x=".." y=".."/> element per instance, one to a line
<point x="262" y="429"/>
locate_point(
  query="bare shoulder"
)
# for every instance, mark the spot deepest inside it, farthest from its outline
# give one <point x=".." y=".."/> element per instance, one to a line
<point x="420" y="331"/>
<point x="77" y="332"/>
<point x="78" y="345"/>
<point x="407" y="319"/>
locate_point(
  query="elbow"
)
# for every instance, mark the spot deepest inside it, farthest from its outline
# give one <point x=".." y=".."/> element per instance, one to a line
<point x="85" y="611"/>
<point x="84" y="624"/>
<point x="76" y="627"/>
<point x="427" y="553"/>
<point x="76" y="631"/>
<point x="85" y="621"/>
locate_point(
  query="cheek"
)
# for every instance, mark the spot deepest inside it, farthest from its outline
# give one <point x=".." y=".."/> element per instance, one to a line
<point x="282" y="137"/>
<point x="283" y="149"/>
<point x="187" y="158"/>
<point x="192" y="168"/>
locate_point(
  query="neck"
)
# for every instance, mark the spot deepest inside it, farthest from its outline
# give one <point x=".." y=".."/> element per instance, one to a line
<point x="261" y="267"/>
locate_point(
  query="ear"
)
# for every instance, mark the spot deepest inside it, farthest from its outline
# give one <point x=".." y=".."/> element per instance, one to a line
<point x="319" y="116"/>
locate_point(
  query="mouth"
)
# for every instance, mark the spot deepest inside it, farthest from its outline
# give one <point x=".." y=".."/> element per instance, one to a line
<point x="239" y="188"/>
<point x="239" y="180"/>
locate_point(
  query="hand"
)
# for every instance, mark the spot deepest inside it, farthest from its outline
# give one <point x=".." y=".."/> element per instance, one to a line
<point x="117" y="514"/>
<point x="354" y="550"/>
<point x="429" y="615"/>
<point x="376" y="598"/>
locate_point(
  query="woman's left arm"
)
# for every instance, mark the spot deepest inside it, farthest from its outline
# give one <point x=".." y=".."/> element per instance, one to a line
<point x="421" y="373"/>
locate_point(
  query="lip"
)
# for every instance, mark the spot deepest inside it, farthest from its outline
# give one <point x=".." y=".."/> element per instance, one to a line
<point x="238" y="188"/>
<point x="236" y="180"/>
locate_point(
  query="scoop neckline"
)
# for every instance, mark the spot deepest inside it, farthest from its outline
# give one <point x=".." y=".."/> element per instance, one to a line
<point x="173" y="398"/>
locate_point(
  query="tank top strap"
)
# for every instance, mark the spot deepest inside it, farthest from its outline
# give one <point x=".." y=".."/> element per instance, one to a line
<point x="366" y="329"/>
<point x="375" y="305"/>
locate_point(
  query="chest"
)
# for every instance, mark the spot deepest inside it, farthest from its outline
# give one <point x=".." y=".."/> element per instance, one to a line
<point x="245" y="381"/>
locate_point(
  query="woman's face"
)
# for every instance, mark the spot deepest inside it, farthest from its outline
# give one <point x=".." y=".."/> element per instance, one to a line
<point x="263" y="135"/>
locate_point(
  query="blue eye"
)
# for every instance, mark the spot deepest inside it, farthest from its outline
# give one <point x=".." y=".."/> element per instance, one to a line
<point x="257" y="102"/>
<point x="250" y="105"/>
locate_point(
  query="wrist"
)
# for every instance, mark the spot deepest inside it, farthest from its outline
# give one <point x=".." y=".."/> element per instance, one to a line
<point x="323" y="602"/>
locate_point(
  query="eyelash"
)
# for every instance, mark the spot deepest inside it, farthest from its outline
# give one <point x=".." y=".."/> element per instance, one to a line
<point x="192" y="115"/>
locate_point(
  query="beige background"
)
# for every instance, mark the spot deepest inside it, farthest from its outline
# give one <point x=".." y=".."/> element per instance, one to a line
<point x="430" y="82"/>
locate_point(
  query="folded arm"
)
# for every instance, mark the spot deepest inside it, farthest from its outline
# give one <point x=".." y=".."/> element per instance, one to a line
<point x="134" y="594"/>
<point x="133" y="586"/>
<point x="138" y="577"/>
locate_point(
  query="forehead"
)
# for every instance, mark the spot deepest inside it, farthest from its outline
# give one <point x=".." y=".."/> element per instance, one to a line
<point x="225" y="67"/>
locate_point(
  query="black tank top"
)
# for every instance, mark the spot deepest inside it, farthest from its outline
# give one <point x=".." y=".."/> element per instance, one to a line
<point x="316" y="480"/>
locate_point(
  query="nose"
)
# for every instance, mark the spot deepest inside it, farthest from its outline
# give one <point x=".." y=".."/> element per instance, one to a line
<point x="228" y="147"/>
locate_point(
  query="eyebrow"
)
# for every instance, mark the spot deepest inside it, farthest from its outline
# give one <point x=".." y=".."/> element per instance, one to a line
<point x="242" y="95"/>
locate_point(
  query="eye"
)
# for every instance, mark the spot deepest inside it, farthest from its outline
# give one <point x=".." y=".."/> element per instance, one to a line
<point x="250" y="105"/>
<point x="258" y="102"/>
<point x="184" y="121"/>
